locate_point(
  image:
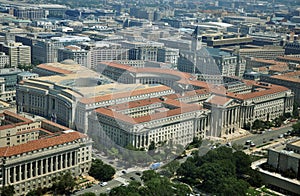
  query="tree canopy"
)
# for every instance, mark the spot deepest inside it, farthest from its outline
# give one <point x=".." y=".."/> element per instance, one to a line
<point x="101" y="171"/>
<point x="296" y="129"/>
<point x="7" y="191"/>
<point x="153" y="184"/>
<point x="63" y="184"/>
<point x="221" y="171"/>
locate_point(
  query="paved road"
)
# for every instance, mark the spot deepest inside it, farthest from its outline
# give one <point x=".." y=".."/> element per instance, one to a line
<point x="259" y="138"/>
<point x="122" y="178"/>
<point x="118" y="181"/>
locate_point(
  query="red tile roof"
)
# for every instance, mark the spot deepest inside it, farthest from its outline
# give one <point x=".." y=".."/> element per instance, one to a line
<point x="289" y="58"/>
<point x="21" y="118"/>
<point x="40" y="144"/>
<point x="55" y="124"/>
<point x="218" y="100"/>
<point x="9" y="113"/>
<point x="183" y="78"/>
<point x="54" y="69"/>
<point x="266" y="61"/>
<point x="269" y="89"/>
<point x="124" y="94"/>
<point x="291" y="76"/>
<point x="181" y="108"/>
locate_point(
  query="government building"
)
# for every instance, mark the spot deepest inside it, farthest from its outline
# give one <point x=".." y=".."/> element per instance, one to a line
<point x="33" y="151"/>
<point x="140" y="105"/>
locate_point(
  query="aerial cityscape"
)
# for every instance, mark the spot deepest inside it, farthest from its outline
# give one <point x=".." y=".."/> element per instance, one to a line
<point x="136" y="97"/>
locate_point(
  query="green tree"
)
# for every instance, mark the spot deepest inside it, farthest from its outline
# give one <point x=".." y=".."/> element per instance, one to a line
<point x="255" y="178"/>
<point x="63" y="184"/>
<point x="258" y="124"/>
<point x="151" y="146"/>
<point x="7" y="191"/>
<point x="296" y="129"/>
<point x="232" y="186"/>
<point x="213" y="174"/>
<point x="172" y="167"/>
<point x="295" y="110"/>
<point x="148" y="175"/>
<point x="38" y="192"/>
<point x="278" y="122"/>
<point x="188" y="171"/>
<point x="101" y="171"/>
<point x="242" y="162"/>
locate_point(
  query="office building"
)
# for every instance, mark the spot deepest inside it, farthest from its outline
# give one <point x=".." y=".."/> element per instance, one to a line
<point x="78" y="92"/>
<point x="265" y="52"/>
<point x="45" y="50"/>
<point x="292" y="48"/>
<point x="282" y="160"/>
<point x="218" y="40"/>
<point x="290" y="80"/>
<point x="146" y="51"/>
<point x="153" y="120"/>
<point x="4" y="60"/>
<point x="18" y="53"/>
<point x="168" y="55"/>
<point x="104" y="51"/>
<point x="34" y="151"/>
<point x="31" y="13"/>
<point x="80" y="56"/>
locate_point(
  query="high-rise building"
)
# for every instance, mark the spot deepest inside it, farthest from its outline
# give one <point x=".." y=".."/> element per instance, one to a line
<point x="146" y="51"/>
<point x="168" y="55"/>
<point x="17" y="52"/>
<point x="31" y="13"/>
<point x="104" y="51"/>
<point x="4" y="60"/>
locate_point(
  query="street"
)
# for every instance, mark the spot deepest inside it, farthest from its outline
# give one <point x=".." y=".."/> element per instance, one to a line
<point x="123" y="177"/>
<point x="117" y="181"/>
<point x="259" y="139"/>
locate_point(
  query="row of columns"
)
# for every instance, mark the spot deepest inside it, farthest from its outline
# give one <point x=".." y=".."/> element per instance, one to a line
<point x="230" y="116"/>
<point x="141" y="140"/>
<point x="40" y="167"/>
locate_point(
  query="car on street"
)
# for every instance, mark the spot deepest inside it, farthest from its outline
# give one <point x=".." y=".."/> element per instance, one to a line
<point x="248" y="142"/>
<point x="132" y="178"/>
<point x="252" y="145"/>
<point x="103" y="183"/>
<point x="138" y="173"/>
